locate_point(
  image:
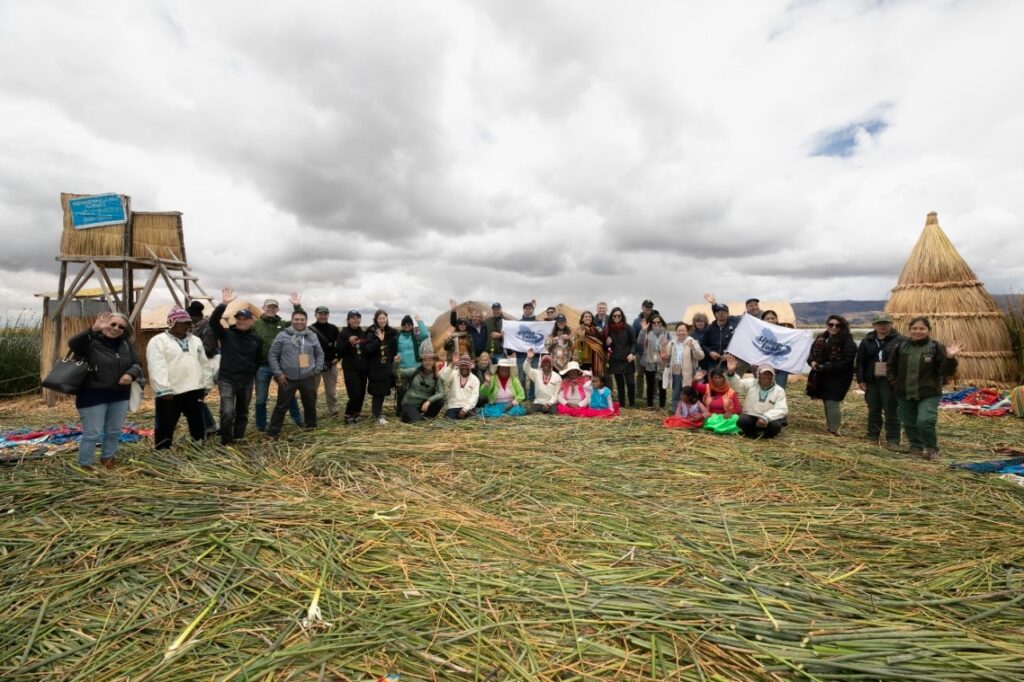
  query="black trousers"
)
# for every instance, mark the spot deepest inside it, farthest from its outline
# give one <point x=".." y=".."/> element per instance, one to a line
<point x="355" y="386"/>
<point x="235" y="397"/>
<point x="306" y="388"/>
<point x="748" y="425"/>
<point x="169" y="411"/>
<point x="456" y="413"/>
<point x="411" y="413"/>
<point x="626" y="384"/>
<point x="543" y="409"/>
<point x="654" y="382"/>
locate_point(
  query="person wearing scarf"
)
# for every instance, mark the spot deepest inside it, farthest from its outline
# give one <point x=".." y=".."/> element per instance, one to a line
<point x="590" y="345"/>
<point x="504" y="392"/>
<point x="832" y="359"/>
<point x="620" y="341"/>
<point x="716" y="394"/>
<point x="764" y="402"/>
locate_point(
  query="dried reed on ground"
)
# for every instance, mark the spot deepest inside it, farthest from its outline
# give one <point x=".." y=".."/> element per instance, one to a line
<point x="538" y="548"/>
<point x="937" y="283"/>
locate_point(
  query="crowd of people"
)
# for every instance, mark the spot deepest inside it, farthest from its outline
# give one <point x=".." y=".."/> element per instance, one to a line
<point x="685" y="369"/>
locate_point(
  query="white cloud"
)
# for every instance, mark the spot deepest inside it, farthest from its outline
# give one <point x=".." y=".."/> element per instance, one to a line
<point x="397" y="153"/>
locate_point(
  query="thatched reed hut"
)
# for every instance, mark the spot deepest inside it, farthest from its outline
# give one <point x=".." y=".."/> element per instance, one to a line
<point x="937" y="283"/>
<point x="787" y="318"/>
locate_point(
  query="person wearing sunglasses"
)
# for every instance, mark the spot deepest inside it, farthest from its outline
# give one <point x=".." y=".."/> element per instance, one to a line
<point x="832" y="358"/>
<point x="102" y="401"/>
<point x="620" y="342"/>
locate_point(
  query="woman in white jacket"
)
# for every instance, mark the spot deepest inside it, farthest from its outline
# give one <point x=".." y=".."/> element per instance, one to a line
<point x="681" y="358"/>
<point x="180" y="375"/>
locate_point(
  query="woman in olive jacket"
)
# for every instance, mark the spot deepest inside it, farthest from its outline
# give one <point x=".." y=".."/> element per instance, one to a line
<point x="102" y="401"/>
<point x="916" y="369"/>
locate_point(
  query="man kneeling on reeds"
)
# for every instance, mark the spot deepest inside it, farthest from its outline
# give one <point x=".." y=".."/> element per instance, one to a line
<point x="462" y="388"/>
<point x="764" y="402"/>
<point x="296" y="360"/>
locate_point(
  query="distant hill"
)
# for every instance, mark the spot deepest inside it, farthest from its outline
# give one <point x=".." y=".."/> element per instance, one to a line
<point x="859" y="313"/>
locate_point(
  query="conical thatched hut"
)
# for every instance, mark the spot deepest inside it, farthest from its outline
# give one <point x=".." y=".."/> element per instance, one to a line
<point x="937" y="283"/>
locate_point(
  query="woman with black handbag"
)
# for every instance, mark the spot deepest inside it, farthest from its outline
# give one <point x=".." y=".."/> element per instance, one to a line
<point x="102" y="401"/>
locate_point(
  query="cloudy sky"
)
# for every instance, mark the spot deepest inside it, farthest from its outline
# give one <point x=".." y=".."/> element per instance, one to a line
<point x="396" y="154"/>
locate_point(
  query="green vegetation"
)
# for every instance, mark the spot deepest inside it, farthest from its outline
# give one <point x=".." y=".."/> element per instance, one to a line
<point x="542" y="548"/>
<point x="19" y="358"/>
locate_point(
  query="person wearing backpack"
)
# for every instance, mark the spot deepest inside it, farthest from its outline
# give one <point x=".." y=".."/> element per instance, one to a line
<point x="916" y="369"/>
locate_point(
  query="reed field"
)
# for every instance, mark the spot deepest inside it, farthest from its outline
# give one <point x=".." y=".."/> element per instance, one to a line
<point x="19" y="357"/>
<point x="539" y="548"/>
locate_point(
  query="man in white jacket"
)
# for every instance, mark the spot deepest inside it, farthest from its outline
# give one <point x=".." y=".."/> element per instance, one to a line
<point x="180" y="375"/>
<point x="545" y="381"/>
<point x="764" y="402"/>
<point x="462" y="388"/>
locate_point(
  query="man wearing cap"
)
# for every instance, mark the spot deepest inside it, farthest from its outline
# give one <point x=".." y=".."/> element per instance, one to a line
<point x="267" y="327"/>
<point x="872" y="356"/>
<point x="717" y="336"/>
<point x="354" y="367"/>
<point x="180" y="375"/>
<point x="646" y="309"/>
<point x="495" y="332"/>
<point x="550" y="313"/>
<point x="296" y="358"/>
<point x="521" y="360"/>
<point x="753" y="306"/>
<point x="327" y="334"/>
<point x="461" y="387"/>
<point x="239" y="361"/>
<point x="547" y="383"/>
<point x="202" y="330"/>
<point x="764" y="402"/>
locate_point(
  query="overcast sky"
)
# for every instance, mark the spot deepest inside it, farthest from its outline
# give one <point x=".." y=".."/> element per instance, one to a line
<point x="396" y="154"/>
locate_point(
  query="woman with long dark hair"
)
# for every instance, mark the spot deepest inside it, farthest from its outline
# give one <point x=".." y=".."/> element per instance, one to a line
<point x="916" y="368"/>
<point x="381" y="349"/>
<point x="619" y="341"/>
<point x="832" y="357"/>
<point x="590" y="353"/>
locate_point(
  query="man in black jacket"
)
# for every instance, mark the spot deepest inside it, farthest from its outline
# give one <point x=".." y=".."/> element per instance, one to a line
<point x="328" y="335"/>
<point x="717" y="336"/>
<point x="354" y="366"/>
<point x="239" y="361"/>
<point x="872" y="356"/>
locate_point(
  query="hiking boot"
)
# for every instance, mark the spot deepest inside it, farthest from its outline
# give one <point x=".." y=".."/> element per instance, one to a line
<point x="917" y="453"/>
<point x="931" y="455"/>
<point x="108" y="464"/>
<point x="896" y="447"/>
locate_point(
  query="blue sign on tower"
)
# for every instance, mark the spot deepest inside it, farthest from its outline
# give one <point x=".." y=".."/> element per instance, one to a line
<point x="97" y="211"/>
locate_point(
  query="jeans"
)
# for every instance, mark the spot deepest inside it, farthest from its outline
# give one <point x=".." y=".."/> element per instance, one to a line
<point x="520" y="363"/>
<point x="919" y="418"/>
<point x="411" y="414"/>
<point x="882" y="408"/>
<point x="750" y="429"/>
<point x="833" y="414"/>
<point x="306" y="388"/>
<point x="263" y="379"/>
<point x="781" y="377"/>
<point x="677" y="386"/>
<point x="101" y="425"/>
<point x="329" y="378"/>
<point x="234" y="408"/>
<point x="169" y="411"/>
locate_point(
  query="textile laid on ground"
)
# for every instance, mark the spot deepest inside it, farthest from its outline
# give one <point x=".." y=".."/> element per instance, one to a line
<point x="62" y="433"/>
<point x="1013" y="465"/>
<point x="984" y="402"/>
<point x="589" y="412"/>
<point x="719" y="423"/>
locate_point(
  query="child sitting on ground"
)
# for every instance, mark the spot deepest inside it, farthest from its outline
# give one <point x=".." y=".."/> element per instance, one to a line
<point x="691" y="412"/>
<point x="600" y="395"/>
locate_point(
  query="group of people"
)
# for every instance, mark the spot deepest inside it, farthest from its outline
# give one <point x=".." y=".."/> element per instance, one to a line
<point x="473" y="375"/>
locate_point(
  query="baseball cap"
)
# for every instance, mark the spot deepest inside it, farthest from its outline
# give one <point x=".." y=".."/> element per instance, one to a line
<point x="881" y="318"/>
<point x="271" y="301"/>
<point x="244" y="313"/>
<point x="495" y="305"/>
<point x="322" y="309"/>
<point x="354" y="313"/>
<point x="719" y="307"/>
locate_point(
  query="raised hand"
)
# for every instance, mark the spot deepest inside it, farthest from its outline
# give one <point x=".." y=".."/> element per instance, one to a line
<point x="710" y="298"/>
<point x="295" y="298"/>
<point x="530" y="353"/>
<point x="954" y="348"/>
<point x="730" y="363"/>
<point x="699" y="374"/>
<point x="227" y="295"/>
<point x="102" y="320"/>
<point x="453" y="303"/>
<point x="644" y="324"/>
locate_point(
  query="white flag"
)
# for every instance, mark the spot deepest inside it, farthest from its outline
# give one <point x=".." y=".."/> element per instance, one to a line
<point x="521" y="335"/>
<point x="760" y="343"/>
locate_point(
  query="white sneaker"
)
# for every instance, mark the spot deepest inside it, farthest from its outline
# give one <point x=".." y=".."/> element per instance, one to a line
<point x="382" y="420"/>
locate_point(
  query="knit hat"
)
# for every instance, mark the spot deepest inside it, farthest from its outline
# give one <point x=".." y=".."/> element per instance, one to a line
<point x="407" y="319"/>
<point x="465" y="361"/>
<point x="545" y="358"/>
<point x="176" y="315"/>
